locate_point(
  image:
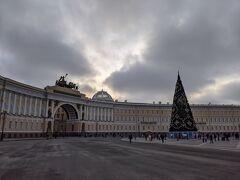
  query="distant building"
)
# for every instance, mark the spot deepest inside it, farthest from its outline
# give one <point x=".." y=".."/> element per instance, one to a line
<point x="33" y="111"/>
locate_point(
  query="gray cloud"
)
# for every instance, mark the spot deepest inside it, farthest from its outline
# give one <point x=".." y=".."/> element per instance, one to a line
<point x="227" y="94"/>
<point x="41" y="40"/>
<point x="199" y="40"/>
<point x="230" y="93"/>
<point x="33" y="40"/>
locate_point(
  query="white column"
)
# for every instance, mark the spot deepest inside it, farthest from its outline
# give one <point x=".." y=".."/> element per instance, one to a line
<point x="20" y="104"/>
<point x="35" y="106"/>
<point x="101" y="112"/>
<point x="15" y="103"/>
<point x="90" y="113"/>
<point x="94" y="113"/>
<point x="84" y="112"/>
<point x="112" y="115"/>
<point x="52" y="108"/>
<point x="4" y="100"/>
<point x="47" y="104"/>
<point x="87" y="113"/>
<point x="9" y="102"/>
<point x="97" y="112"/>
<point x="105" y="114"/>
<point x="30" y="107"/>
<point x="25" y="105"/>
<point x="93" y="117"/>
<point x="109" y="114"/>
<point x="40" y="108"/>
<point x="80" y="110"/>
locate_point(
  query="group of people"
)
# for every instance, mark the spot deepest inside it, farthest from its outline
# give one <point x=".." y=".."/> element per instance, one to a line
<point x="150" y="137"/>
<point x="159" y="137"/>
<point x="217" y="137"/>
<point x="211" y="137"/>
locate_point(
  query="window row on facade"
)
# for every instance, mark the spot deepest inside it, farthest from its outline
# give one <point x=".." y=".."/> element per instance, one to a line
<point x="166" y="112"/>
<point x="14" y="124"/>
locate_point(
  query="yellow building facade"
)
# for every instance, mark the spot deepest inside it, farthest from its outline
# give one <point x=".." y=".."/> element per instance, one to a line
<point x="28" y="111"/>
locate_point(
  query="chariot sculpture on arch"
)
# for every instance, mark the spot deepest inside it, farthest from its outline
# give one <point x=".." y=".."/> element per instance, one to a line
<point x="63" y="83"/>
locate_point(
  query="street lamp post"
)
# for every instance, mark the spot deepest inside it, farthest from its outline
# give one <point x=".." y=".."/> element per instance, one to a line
<point x="3" y="124"/>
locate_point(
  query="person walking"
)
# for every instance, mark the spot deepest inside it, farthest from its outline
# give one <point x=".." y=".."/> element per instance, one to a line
<point x="211" y="139"/>
<point x="162" y="138"/>
<point x="145" y="135"/>
<point x="215" y="137"/>
<point x="149" y="137"/>
<point x="130" y="138"/>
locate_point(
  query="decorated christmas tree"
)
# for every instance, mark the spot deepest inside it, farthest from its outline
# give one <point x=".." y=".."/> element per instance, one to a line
<point x="181" y="118"/>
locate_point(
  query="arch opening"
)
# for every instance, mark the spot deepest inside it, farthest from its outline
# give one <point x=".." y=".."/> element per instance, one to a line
<point x="63" y="117"/>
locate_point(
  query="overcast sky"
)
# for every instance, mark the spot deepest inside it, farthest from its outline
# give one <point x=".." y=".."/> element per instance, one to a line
<point x="130" y="48"/>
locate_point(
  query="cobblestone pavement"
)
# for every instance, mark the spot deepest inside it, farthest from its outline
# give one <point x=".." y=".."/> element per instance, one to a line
<point x="110" y="159"/>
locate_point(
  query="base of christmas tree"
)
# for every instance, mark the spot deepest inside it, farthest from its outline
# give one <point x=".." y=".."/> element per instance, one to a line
<point x="183" y="135"/>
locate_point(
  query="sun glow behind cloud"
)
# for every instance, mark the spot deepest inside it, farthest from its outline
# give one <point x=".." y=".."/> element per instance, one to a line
<point x="110" y="58"/>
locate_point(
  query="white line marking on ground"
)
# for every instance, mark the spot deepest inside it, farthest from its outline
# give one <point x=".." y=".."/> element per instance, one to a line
<point x="238" y="146"/>
<point x="202" y="144"/>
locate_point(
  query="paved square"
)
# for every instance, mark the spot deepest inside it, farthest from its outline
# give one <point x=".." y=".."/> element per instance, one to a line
<point x="103" y="159"/>
<point x="232" y="145"/>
